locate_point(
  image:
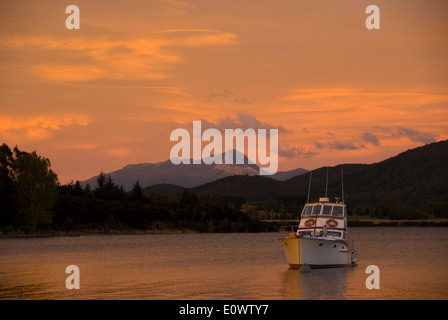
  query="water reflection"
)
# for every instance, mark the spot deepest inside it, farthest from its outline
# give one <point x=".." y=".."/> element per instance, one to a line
<point x="23" y="289"/>
<point x="36" y="281"/>
<point x="317" y="284"/>
<point x="221" y="266"/>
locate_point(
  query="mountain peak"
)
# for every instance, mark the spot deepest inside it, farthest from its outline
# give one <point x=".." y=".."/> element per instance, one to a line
<point x="225" y="158"/>
<point x="188" y="176"/>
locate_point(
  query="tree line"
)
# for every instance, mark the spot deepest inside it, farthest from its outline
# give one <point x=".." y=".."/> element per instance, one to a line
<point x="33" y="199"/>
<point x="108" y="207"/>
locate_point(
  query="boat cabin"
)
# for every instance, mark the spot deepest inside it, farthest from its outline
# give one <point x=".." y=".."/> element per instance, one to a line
<point x="323" y="218"/>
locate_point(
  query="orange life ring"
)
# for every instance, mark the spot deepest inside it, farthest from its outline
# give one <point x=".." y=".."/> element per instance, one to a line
<point x="310" y="222"/>
<point x="332" y="223"/>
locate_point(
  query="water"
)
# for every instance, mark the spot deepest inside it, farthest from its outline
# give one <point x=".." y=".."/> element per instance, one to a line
<point x="413" y="264"/>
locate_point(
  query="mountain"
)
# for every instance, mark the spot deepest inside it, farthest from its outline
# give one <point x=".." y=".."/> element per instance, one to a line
<point x="413" y="179"/>
<point x="184" y="175"/>
<point x="285" y="175"/>
<point x="265" y="188"/>
<point x="252" y="188"/>
<point x="411" y="185"/>
<point x="164" y="189"/>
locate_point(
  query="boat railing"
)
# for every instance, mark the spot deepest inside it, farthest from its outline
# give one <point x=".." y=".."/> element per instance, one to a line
<point x="350" y="242"/>
<point x="289" y="228"/>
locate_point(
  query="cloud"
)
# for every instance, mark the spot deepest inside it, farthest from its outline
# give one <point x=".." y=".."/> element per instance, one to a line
<point x="415" y="135"/>
<point x="197" y="37"/>
<point x="411" y="134"/>
<point x="370" y="138"/>
<point x="227" y="95"/>
<point x="244" y="121"/>
<point x="89" y="58"/>
<point x="339" y="145"/>
<point x="119" y="152"/>
<point x="313" y="94"/>
<point x="294" y="152"/>
<point x="344" y="145"/>
<point x="39" y="127"/>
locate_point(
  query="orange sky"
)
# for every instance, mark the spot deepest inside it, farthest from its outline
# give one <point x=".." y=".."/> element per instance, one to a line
<point x="110" y="94"/>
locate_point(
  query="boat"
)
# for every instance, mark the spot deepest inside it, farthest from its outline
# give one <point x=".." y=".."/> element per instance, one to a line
<point x="321" y="239"/>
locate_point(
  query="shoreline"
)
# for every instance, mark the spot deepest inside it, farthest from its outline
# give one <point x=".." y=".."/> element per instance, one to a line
<point x="78" y="233"/>
<point x="372" y="222"/>
<point x="352" y="223"/>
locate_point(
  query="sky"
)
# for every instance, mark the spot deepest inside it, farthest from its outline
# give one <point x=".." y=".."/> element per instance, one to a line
<point x="110" y="93"/>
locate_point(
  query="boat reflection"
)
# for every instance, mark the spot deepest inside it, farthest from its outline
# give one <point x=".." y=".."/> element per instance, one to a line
<point x="319" y="284"/>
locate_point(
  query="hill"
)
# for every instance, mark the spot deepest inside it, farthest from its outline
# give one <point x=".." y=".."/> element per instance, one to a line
<point x="164" y="189"/>
<point x="285" y="175"/>
<point x="408" y="184"/>
<point x="411" y="185"/>
<point x="184" y="175"/>
<point x="252" y="188"/>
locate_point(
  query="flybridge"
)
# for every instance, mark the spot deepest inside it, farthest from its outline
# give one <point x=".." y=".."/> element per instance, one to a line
<point x="211" y="153"/>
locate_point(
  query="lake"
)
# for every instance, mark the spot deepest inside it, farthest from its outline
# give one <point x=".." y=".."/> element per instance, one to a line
<point x="413" y="264"/>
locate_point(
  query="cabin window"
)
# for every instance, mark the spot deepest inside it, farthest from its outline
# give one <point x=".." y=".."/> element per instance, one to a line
<point x="338" y="211"/>
<point x="327" y="210"/>
<point x="307" y="210"/>
<point x="316" y="209"/>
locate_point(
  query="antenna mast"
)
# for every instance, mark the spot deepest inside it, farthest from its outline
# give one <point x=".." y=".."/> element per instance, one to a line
<point x="309" y="187"/>
<point x="342" y="178"/>
<point x="326" y="185"/>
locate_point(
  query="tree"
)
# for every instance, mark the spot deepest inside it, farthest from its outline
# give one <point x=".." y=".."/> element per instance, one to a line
<point x="6" y="165"/>
<point x="77" y="189"/>
<point x="137" y="192"/>
<point x="100" y="182"/>
<point x="36" y="188"/>
<point x="106" y="189"/>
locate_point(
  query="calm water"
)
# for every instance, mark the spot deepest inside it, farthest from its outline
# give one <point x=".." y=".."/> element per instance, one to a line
<point x="413" y="264"/>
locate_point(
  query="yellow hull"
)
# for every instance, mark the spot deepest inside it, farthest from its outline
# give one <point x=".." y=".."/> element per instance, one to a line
<point x="291" y="246"/>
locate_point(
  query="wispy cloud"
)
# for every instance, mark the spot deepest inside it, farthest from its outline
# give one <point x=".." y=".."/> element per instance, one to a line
<point x="371" y="106"/>
<point x="409" y="133"/>
<point x="227" y="95"/>
<point x="344" y="145"/>
<point x="39" y="127"/>
<point x="339" y="145"/>
<point x="197" y="37"/>
<point x="113" y="58"/>
<point x="415" y="135"/>
<point x="370" y="138"/>
<point x="244" y="121"/>
<point x="294" y="152"/>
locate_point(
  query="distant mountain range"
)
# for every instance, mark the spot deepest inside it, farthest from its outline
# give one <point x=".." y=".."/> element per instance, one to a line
<point x="185" y="175"/>
<point x="413" y="180"/>
<point x="411" y="185"/>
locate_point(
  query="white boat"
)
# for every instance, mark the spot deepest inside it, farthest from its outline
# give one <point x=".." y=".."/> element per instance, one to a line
<point x="321" y="239"/>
